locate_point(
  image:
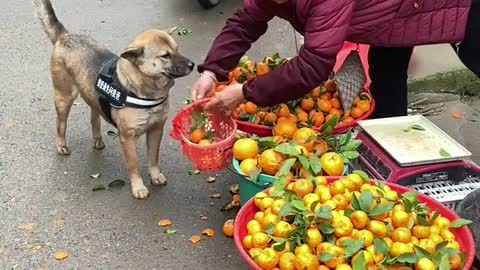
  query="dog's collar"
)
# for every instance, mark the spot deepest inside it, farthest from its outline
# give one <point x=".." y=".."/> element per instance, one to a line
<point x="109" y="87"/>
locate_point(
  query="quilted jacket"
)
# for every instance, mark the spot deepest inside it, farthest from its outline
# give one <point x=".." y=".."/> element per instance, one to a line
<point x="326" y="25"/>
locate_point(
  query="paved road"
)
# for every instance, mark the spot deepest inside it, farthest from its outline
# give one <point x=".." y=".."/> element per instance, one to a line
<point x="102" y="230"/>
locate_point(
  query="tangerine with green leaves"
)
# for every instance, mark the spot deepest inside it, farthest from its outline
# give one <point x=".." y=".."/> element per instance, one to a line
<point x="245" y="148"/>
<point x="303" y="187"/>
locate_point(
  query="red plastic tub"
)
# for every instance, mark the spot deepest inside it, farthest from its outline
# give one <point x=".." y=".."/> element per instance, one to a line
<point x="463" y="235"/>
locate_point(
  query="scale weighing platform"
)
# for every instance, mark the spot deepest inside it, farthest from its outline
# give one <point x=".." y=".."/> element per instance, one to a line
<point x="412" y="151"/>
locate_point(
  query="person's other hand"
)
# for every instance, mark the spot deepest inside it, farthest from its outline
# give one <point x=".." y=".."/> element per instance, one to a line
<point x="204" y="87"/>
<point x="227" y="100"/>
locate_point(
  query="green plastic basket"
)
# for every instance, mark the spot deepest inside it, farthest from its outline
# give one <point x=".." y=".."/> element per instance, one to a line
<point x="248" y="189"/>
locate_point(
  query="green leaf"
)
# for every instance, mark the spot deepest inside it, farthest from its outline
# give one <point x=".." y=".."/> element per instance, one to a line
<point x="255" y="175"/>
<point x="381" y="209"/>
<point x="116" y="183"/>
<point x="328" y="127"/>
<point x="441" y="247"/>
<point x="182" y="31"/>
<point x="366" y="201"/>
<point x="325" y="257"/>
<point x="423" y="221"/>
<point x="351" y="146"/>
<point x="351" y="155"/>
<point x="412" y="196"/>
<point x="269" y="229"/>
<point x="352" y="247"/>
<point x="280" y="247"/>
<point x="326" y="228"/>
<point x="286" y="166"/>
<point x="418" y="127"/>
<point x="435" y="216"/>
<point x="344" y="139"/>
<point x="381" y="246"/>
<point x="360" y="263"/>
<point x="444" y="153"/>
<point x="407" y="258"/>
<point x="324" y="213"/>
<point x="252" y="118"/>
<point x="285" y="210"/>
<point x="460" y="223"/>
<point x="99" y="187"/>
<point x="170" y="232"/>
<point x="355" y="203"/>
<point x="349" y="212"/>
<point x="194" y="172"/>
<point x="408" y="206"/>
<point x="112" y="133"/>
<point x="304" y="161"/>
<point x="315" y="164"/>
<point x="362" y="174"/>
<point x="286" y="149"/>
<point x="411" y="223"/>
<point x="314" y="205"/>
<point x="444" y="263"/>
<point x="299" y="205"/>
<point x="422" y="252"/>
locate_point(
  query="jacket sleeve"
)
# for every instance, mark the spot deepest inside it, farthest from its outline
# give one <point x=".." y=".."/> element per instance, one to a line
<point x="241" y="30"/>
<point x="325" y="32"/>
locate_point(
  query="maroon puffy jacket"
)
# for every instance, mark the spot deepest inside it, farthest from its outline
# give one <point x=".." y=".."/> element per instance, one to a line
<point x="326" y="24"/>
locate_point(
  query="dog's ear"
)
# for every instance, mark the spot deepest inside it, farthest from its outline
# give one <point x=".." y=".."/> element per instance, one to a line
<point x="131" y="54"/>
<point x="171" y="30"/>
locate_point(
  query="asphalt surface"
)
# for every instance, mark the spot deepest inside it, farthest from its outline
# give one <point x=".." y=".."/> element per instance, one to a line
<point x="51" y="197"/>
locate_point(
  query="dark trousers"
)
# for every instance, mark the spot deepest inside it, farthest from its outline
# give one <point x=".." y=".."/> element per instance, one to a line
<point x="389" y="66"/>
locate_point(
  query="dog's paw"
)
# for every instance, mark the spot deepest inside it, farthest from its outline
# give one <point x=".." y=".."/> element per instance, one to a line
<point x="63" y="150"/>
<point x="158" y="180"/>
<point x="98" y="144"/>
<point x="139" y="191"/>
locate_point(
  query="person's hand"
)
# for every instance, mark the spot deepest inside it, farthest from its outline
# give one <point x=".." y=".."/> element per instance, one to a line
<point x="204" y="87"/>
<point x="227" y="100"/>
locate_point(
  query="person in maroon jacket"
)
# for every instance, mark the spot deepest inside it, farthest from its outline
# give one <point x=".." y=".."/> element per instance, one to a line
<point x="391" y="27"/>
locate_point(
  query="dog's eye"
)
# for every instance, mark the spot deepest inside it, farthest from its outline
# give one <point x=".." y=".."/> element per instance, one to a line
<point x="166" y="56"/>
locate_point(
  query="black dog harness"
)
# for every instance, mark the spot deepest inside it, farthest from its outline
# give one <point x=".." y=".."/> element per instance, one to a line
<point x="113" y="94"/>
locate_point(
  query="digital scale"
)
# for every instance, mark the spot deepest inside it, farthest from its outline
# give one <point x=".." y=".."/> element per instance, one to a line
<point x="412" y="151"/>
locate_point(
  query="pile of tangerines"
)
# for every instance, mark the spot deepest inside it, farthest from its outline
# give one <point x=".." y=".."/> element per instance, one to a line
<point x="313" y="110"/>
<point x="267" y="155"/>
<point x="348" y="224"/>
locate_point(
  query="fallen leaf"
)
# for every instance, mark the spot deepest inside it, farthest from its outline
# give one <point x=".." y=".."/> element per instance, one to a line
<point x="230" y="205"/>
<point x="165" y="222"/>
<point x="211" y="203"/>
<point x="26" y="227"/>
<point x="457" y="115"/>
<point x="202" y="217"/>
<point x="117" y="183"/>
<point x="95" y="176"/>
<point x="208" y="232"/>
<point x="76" y="103"/>
<point x="15" y="266"/>
<point x="211" y="179"/>
<point x="37" y="247"/>
<point x="99" y="187"/>
<point x="215" y="195"/>
<point x="236" y="198"/>
<point x="60" y="255"/>
<point x="195" y="239"/>
<point x="170" y="232"/>
<point x="59" y="222"/>
<point x="444" y="153"/>
<point x="194" y="172"/>
<point x="234" y="188"/>
<point x="112" y="133"/>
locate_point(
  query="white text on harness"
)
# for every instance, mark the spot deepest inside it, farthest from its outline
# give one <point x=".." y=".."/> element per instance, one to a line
<point x="108" y="89"/>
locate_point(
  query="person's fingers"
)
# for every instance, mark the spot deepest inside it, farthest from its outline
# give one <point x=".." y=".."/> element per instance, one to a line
<point x="213" y="104"/>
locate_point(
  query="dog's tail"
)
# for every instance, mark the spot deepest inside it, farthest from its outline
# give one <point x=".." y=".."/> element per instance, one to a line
<point x="45" y="13"/>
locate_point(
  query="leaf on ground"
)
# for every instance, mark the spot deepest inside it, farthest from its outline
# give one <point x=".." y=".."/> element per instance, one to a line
<point x="165" y="222"/>
<point x="112" y="133"/>
<point x="116" y="183"/>
<point x="37" y="247"/>
<point x="234" y="188"/>
<point x="99" y="187"/>
<point x="194" y="172"/>
<point x="202" y="217"/>
<point x="95" y="176"/>
<point x="59" y="223"/>
<point x="60" y="255"/>
<point x="457" y="115"/>
<point x="195" y="239"/>
<point x="211" y="179"/>
<point x="26" y="226"/>
<point x="215" y="195"/>
<point x="170" y="232"/>
<point x="208" y="232"/>
<point x="211" y="203"/>
<point x="76" y="103"/>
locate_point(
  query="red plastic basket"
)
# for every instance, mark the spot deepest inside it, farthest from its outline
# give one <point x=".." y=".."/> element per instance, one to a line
<point x="208" y="158"/>
<point x="463" y="235"/>
<point x="264" y="131"/>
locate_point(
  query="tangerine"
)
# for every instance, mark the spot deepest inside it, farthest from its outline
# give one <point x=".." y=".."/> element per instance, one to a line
<point x="307" y="104"/>
<point x="228" y="228"/>
<point x="285" y="128"/>
<point x="336" y="103"/>
<point x="331" y="86"/>
<point x="356" y="113"/>
<point x="324" y="105"/>
<point x="363" y="105"/>
<point x="197" y="135"/>
<point x="270" y="161"/>
<point x="245" y="148"/>
<point x="248" y="166"/>
<point x="283" y="111"/>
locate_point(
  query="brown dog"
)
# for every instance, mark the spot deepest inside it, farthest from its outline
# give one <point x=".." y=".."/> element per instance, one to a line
<point x="145" y="71"/>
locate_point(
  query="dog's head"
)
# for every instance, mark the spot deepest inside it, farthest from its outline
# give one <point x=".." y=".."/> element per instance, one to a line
<point x="155" y="53"/>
